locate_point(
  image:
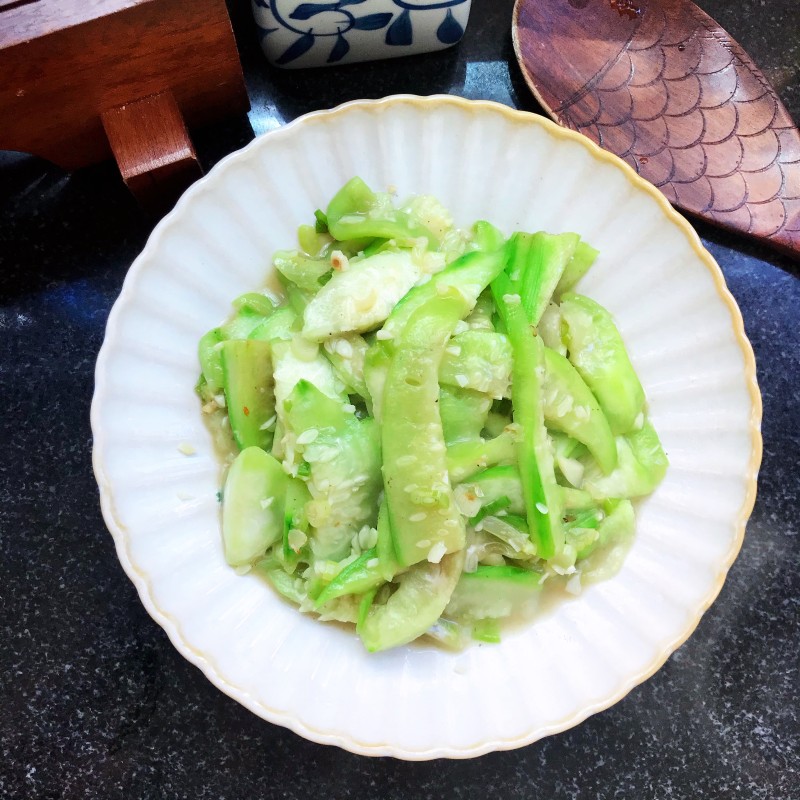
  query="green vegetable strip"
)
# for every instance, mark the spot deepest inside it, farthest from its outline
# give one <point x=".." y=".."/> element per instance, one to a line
<point x="486" y="236"/>
<point x="363" y="608"/>
<point x="277" y="327"/>
<point x="247" y="381"/>
<point x="642" y="465"/>
<point x="387" y="558"/>
<point x="355" y="212"/>
<point x="294" y="517"/>
<point x="482" y="315"/>
<point x="419" y="602"/>
<point x="242" y="323"/>
<point x="355" y="197"/>
<point x="307" y="273"/>
<point x="617" y="527"/>
<point x="422" y="508"/>
<point x="533" y="455"/>
<point x="321" y="221"/>
<point x="376" y="365"/>
<point x="210" y="357"/>
<point x="479" y="360"/>
<point x="255" y="303"/>
<point x="469" y="274"/>
<point x="343" y="450"/>
<point x="486" y="630"/>
<point x="463" y="414"/>
<point x="464" y="459"/>
<point x="448" y="634"/>
<point x="298" y="298"/>
<point x="249" y="526"/>
<point x="360" y="576"/>
<point x="597" y="351"/>
<point x="536" y="264"/>
<point x="284" y="584"/>
<point x="490" y="509"/>
<point x="350" y="370"/>
<point x="582" y="259"/>
<point x="498" y="489"/>
<point x="312" y="242"/>
<point x="569" y="406"/>
<point x="492" y="592"/>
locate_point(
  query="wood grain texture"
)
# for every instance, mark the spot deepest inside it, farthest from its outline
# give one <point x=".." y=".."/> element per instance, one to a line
<point x="660" y="84"/>
<point x="153" y="150"/>
<point x="18" y="24"/>
<point x="7" y="5"/>
<point x="66" y="62"/>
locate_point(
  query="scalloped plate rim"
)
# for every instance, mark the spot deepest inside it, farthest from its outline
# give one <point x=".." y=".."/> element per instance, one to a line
<point x="172" y="627"/>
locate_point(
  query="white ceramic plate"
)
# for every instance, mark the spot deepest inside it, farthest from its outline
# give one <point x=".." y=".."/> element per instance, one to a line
<point x="685" y="336"/>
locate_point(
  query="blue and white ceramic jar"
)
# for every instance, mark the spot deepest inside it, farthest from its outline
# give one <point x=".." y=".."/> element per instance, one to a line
<point x="316" y="33"/>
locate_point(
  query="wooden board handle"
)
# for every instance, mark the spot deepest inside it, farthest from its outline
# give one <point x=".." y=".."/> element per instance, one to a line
<point x="153" y="150"/>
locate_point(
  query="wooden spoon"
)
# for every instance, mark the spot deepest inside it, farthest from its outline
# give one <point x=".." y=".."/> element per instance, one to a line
<point x="660" y="84"/>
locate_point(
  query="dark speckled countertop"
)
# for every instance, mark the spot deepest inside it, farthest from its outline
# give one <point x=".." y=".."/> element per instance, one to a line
<point x="96" y="703"/>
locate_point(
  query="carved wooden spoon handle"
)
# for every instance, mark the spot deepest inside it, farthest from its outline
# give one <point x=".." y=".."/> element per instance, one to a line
<point x="660" y="84"/>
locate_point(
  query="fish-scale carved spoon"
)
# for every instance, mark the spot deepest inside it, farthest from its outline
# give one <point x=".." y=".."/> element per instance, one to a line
<point x="660" y="84"/>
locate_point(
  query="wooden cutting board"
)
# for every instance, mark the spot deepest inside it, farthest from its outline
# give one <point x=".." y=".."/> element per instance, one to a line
<point x="663" y="86"/>
<point x="86" y="79"/>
